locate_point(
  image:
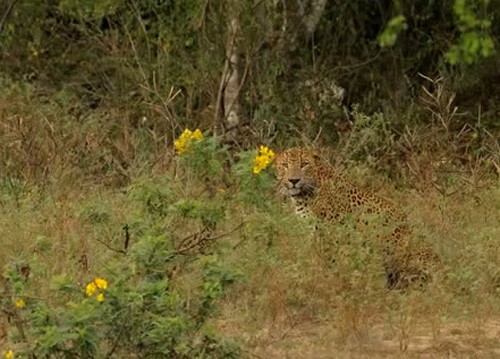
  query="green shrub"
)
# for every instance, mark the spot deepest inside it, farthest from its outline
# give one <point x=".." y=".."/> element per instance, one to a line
<point x="154" y="296"/>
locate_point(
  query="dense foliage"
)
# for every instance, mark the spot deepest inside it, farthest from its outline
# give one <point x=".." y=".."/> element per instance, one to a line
<point x="159" y="64"/>
<point x="158" y="281"/>
<point x="133" y="51"/>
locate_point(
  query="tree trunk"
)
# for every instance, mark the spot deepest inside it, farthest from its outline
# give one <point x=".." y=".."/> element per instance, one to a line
<point x="229" y="91"/>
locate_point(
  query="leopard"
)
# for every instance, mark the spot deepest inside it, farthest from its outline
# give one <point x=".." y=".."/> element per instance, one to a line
<point x="320" y="190"/>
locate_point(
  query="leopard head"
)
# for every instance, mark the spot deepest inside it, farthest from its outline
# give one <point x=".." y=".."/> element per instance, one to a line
<point x="296" y="171"/>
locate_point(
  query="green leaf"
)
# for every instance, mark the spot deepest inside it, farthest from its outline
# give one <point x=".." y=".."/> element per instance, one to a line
<point x="390" y="34"/>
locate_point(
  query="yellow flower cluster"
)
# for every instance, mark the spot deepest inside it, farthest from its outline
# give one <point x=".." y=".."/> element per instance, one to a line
<point x="98" y="284"/>
<point x="263" y="159"/>
<point x="20" y="303"/>
<point x="185" y="140"/>
<point x="9" y="354"/>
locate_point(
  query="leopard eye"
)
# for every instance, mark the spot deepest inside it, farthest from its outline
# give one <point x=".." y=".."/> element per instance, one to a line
<point x="305" y="163"/>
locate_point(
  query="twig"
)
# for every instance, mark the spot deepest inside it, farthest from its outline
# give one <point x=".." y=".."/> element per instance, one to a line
<point x="352" y="67"/>
<point x="6" y="14"/>
<point x="127" y="237"/>
<point x="252" y="354"/>
<point x="224" y="80"/>
<point x="142" y="26"/>
<point x="111" y="248"/>
<point x="207" y="239"/>
<point x="165" y="103"/>
<point x="203" y="14"/>
<point x="136" y="55"/>
<point x="229" y="232"/>
<point x="293" y="325"/>
<point x="115" y="344"/>
<point x="188" y="238"/>
<point x="497" y="167"/>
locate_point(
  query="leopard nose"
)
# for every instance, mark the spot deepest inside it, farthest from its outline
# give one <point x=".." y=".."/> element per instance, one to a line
<point x="294" y="181"/>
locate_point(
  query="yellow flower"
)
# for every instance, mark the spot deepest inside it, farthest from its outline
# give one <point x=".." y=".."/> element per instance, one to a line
<point x="185" y="140"/>
<point x="94" y="286"/>
<point x="9" y="354"/>
<point x="20" y="303"/>
<point x="91" y="289"/>
<point x="263" y="159"/>
<point x="197" y="135"/>
<point x="101" y="283"/>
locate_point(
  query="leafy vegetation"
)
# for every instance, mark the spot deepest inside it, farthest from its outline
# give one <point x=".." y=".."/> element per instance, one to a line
<point x="162" y="287"/>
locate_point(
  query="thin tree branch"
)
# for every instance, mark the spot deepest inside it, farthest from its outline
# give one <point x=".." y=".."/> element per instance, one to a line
<point x="6" y="14"/>
<point x="111" y="248"/>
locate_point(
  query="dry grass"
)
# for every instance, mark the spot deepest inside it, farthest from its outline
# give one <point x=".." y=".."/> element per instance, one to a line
<point x="316" y="340"/>
<point x="292" y="304"/>
<point x="295" y="307"/>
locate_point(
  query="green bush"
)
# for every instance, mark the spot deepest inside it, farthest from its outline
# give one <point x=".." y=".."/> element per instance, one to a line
<point x="154" y="295"/>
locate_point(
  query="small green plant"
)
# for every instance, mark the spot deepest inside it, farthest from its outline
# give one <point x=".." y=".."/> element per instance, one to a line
<point x="474" y="42"/>
<point x="254" y="182"/>
<point x="371" y="135"/>
<point x="390" y="34"/>
<point x="204" y="157"/>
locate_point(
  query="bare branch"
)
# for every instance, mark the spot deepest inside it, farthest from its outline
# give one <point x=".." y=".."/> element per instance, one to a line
<point x="6" y="14"/>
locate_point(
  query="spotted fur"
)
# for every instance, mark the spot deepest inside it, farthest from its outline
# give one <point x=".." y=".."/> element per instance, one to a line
<point x="318" y="189"/>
